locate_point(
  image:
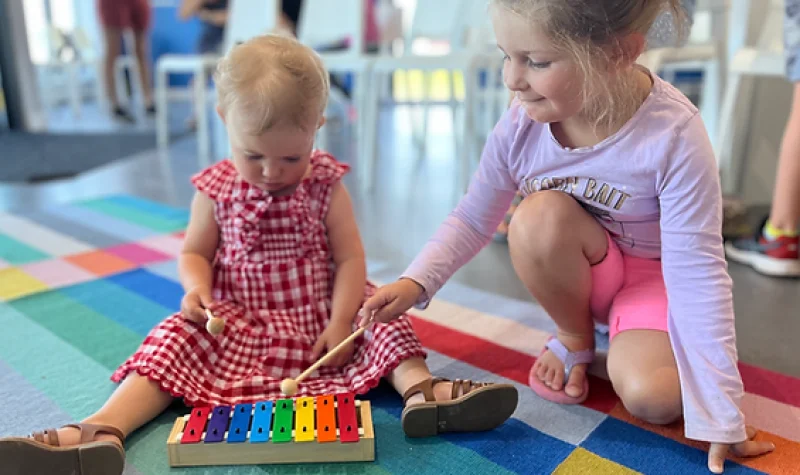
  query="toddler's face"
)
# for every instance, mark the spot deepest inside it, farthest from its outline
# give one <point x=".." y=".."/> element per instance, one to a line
<point x="275" y="161"/>
<point x="544" y="80"/>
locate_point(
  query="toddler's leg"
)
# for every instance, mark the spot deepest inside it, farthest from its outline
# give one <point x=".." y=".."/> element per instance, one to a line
<point x="411" y="372"/>
<point x="135" y="402"/>
<point x="553" y="243"/>
<point x="435" y="405"/>
<point x="647" y="384"/>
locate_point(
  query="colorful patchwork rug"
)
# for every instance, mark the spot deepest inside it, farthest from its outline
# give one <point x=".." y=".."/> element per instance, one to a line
<point x="81" y="284"/>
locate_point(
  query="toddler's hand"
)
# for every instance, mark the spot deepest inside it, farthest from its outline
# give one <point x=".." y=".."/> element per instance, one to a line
<point x="391" y="301"/>
<point x="748" y="448"/>
<point x="194" y="303"/>
<point x="332" y="336"/>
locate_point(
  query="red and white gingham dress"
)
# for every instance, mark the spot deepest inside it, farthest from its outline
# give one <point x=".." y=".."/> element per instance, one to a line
<point x="273" y="282"/>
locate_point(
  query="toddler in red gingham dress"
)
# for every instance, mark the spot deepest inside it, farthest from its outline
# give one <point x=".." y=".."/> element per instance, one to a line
<point x="272" y="247"/>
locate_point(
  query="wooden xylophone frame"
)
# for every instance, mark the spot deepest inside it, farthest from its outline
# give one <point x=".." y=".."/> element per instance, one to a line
<point x="249" y="452"/>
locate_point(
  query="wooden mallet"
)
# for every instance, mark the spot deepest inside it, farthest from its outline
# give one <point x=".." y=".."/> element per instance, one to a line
<point x="214" y="325"/>
<point x="289" y="385"/>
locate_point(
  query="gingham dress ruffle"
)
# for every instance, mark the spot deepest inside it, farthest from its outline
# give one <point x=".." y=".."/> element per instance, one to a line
<point x="273" y="282"/>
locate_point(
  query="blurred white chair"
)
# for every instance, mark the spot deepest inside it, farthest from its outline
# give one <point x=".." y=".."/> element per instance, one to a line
<point x="70" y="55"/>
<point x="92" y="60"/>
<point x="60" y="72"/>
<point x="493" y="98"/>
<point x="437" y="24"/>
<point x="704" y="51"/>
<point x="449" y="22"/>
<point x="246" y="19"/>
<point x="764" y="59"/>
<point x="323" y="23"/>
<point x="390" y="24"/>
<point x="123" y="63"/>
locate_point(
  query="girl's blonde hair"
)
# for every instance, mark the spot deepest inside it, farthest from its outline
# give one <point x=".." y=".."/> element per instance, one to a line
<point x="272" y="79"/>
<point x="590" y="32"/>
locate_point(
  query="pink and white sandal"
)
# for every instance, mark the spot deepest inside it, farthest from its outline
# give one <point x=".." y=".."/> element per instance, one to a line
<point x="570" y="359"/>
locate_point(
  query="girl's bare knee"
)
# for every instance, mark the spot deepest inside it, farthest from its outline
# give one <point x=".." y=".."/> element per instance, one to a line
<point x="540" y="217"/>
<point x="652" y="398"/>
<point x="550" y="221"/>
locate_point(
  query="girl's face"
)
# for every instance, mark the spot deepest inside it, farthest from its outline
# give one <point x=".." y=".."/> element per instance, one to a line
<point x="545" y="81"/>
<point x="275" y="161"/>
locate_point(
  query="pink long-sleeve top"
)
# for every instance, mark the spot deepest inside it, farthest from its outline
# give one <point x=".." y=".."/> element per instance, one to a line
<point x="654" y="185"/>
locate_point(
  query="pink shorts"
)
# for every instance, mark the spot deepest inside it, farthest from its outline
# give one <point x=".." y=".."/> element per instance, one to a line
<point x="628" y="293"/>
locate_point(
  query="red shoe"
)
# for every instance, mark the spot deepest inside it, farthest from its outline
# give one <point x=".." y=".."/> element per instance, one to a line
<point x="777" y="258"/>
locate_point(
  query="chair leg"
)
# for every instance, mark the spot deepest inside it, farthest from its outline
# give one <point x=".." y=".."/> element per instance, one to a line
<point x="119" y="80"/>
<point x="361" y="97"/>
<point x="710" y="97"/>
<point x="75" y="96"/>
<point x="422" y="136"/>
<point x="203" y="149"/>
<point x="321" y="137"/>
<point x="726" y="131"/>
<point x="741" y="134"/>
<point x="489" y="99"/>
<point x="470" y="141"/>
<point x="221" y="145"/>
<point x="368" y="149"/>
<point x="458" y="142"/>
<point x="411" y="106"/>
<point x="162" y="103"/>
<point x="122" y="64"/>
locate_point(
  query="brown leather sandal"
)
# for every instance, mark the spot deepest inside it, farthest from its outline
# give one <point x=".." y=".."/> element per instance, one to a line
<point x="473" y="407"/>
<point x="44" y="454"/>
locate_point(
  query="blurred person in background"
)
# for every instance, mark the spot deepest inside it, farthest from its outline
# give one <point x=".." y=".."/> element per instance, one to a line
<point x="115" y="17"/>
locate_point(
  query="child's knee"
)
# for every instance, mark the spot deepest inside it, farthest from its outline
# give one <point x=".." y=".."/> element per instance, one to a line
<point x="654" y="398"/>
<point x="540" y="220"/>
<point x="548" y="223"/>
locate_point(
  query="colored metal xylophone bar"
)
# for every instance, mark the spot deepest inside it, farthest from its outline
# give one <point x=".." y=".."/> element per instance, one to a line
<point x="331" y="428"/>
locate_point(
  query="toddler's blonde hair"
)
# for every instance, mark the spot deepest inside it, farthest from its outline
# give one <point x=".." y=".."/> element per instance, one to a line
<point x="587" y="30"/>
<point x="272" y="79"/>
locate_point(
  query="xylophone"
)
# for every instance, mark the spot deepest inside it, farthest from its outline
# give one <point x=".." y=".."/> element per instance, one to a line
<point x="331" y="428"/>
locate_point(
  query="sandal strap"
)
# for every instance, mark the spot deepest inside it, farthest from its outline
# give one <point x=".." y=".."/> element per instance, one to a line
<point x="89" y="431"/>
<point x="425" y="387"/>
<point x="52" y="437"/>
<point x="569" y="358"/>
<point x="461" y="387"/>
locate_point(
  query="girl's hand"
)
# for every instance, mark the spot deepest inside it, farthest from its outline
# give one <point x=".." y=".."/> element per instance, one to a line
<point x="195" y="302"/>
<point x="332" y="336"/>
<point x="748" y="448"/>
<point x="393" y="300"/>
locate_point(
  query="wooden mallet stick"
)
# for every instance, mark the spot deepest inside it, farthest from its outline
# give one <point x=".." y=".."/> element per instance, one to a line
<point x="289" y="385"/>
